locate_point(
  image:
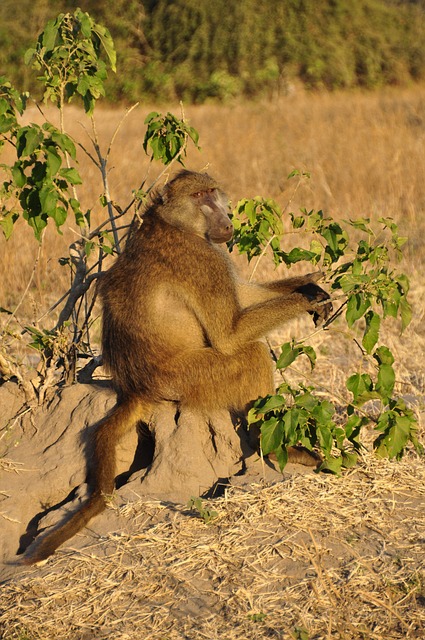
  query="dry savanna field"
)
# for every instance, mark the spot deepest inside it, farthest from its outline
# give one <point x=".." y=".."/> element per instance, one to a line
<point x="309" y="557"/>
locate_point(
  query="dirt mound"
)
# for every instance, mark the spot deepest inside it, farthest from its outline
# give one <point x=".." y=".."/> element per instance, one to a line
<point x="46" y="458"/>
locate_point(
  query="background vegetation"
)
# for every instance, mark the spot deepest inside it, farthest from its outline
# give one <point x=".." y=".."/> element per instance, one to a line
<point x="191" y="50"/>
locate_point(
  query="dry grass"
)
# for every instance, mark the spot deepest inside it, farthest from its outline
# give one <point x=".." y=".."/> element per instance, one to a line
<point x="338" y="558"/>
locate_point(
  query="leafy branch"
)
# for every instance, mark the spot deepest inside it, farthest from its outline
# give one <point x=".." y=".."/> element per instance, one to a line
<point x="361" y="272"/>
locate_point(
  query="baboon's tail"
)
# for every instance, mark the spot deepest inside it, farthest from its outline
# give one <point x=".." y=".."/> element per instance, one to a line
<point x="106" y="437"/>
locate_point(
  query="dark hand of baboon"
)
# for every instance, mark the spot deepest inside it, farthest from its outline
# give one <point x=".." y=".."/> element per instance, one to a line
<point x="179" y="325"/>
<point x="316" y="294"/>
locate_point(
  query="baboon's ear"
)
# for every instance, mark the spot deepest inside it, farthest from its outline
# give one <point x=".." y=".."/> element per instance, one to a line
<point x="159" y="196"/>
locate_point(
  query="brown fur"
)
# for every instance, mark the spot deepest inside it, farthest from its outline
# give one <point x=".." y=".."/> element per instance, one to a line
<point x="179" y="326"/>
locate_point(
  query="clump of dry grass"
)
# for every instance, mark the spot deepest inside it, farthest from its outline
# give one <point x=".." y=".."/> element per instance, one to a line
<point x="335" y="557"/>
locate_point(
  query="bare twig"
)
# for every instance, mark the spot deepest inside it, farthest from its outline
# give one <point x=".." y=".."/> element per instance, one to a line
<point x="119" y="125"/>
<point x="103" y="161"/>
<point x="79" y="287"/>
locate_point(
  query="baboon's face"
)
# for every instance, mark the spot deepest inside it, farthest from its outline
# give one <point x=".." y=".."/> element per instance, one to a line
<point x="194" y="203"/>
<point x="213" y="205"/>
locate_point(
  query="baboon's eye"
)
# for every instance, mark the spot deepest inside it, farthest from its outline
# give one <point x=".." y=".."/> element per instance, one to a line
<point x="198" y="194"/>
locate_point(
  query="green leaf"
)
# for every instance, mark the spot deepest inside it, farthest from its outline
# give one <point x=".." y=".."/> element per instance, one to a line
<point x="297" y="221"/>
<point x="71" y="175"/>
<point x="357" y="305"/>
<point x="85" y="22"/>
<point x="271" y="435"/>
<point x="50" y="33"/>
<point x="353" y="426"/>
<point x="385" y="381"/>
<point x="350" y="282"/>
<point x="64" y="142"/>
<point x="325" y="438"/>
<point x="349" y="459"/>
<point x="7" y="221"/>
<point x="297" y="254"/>
<point x="316" y="248"/>
<point x="151" y="116"/>
<point x="361" y="387"/>
<point x="287" y="356"/>
<point x="272" y="402"/>
<point x="356" y="385"/>
<point x="337" y="240"/>
<point x="194" y="135"/>
<point x="19" y="177"/>
<point x="333" y="465"/>
<point x="383" y="355"/>
<point x="29" y="55"/>
<point x="37" y="223"/>
<point x="396" y="433"/>
<point x="48" y="198"/>
<point x="323" y="411"/>
<point x="28" y="140"/>
<point x="281" y="454"/>
<point x="83" y="84"/>
<point x="405" y="313"/>
<point x="290" y="352"/>
<point x="404" y="283"/>
<point x="79" y="216"/>
<point x="59" y="215"/>
<point x="88" y="248"/>
<point x="311" y="355"/>
<point x="371" y="333"/>
<point x="108" y="44"/>
<point x="53" y="162"/>
<point x="362" y="224"/>
<point x="7" y="123"/>
<point x="166" y="136"/>
<point x="306" y="401"/>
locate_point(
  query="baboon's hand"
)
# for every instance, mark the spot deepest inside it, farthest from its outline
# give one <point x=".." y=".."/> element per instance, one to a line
<point x="320" y="310"/>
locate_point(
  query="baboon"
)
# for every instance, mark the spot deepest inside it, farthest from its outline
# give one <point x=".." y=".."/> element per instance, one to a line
<point x="180" y="326"/>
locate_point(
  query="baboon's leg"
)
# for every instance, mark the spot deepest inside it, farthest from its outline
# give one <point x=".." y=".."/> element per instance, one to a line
<point x="213" y="379"/>
<point x="208" y="379"/>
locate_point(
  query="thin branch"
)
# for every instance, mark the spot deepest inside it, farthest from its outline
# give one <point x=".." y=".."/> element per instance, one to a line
<point x="95" y="231"/>
<point x="103" y="161"/>
<point x="92" y="158"/>
<point x="121" y="122"/>
<point x="76" y="291"/>
<point x="260" y="257"/>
